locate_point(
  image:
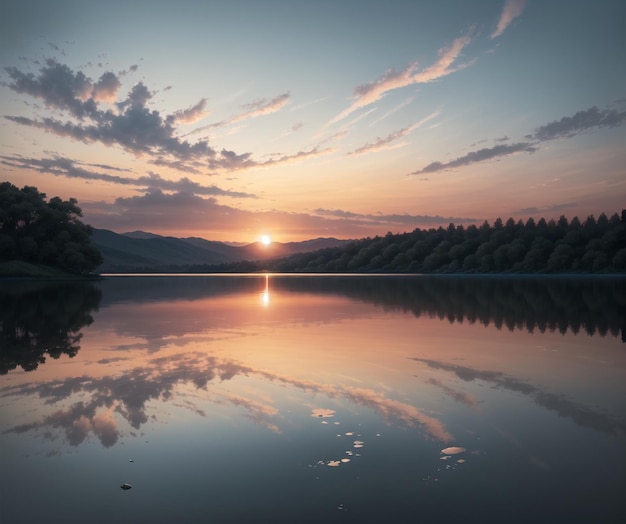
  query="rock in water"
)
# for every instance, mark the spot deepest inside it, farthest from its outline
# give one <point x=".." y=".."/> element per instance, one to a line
<point x="125" y="486"/>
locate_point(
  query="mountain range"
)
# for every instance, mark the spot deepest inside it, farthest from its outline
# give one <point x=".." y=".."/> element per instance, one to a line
<point x="140" y="250"/>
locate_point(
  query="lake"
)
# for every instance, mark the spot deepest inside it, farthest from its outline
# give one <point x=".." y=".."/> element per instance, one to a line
<point x="278" y="398"/>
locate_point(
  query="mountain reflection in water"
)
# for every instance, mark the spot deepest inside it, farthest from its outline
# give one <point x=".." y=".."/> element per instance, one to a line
<point x="269" y="398"/>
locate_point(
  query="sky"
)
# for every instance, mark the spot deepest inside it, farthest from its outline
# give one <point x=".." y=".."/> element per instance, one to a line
<point x="229" y="120"/>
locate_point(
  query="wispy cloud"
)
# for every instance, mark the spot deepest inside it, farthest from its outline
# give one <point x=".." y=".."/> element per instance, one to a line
<point x="512" y="9"/>
<point x="581" y="122"/>
<point x="259" y="107"/>
<point x="60" y="166"/>
<point x="395" y="219"/>
<point x="387" y="142"/>
<point x="585" y="121"/>
<point x="371" y="92"/>
<point x="191" y="115"/>
<point x="481" y="155"/>
<point x="309" y="103"/>
<point x="300" y="155"/>
<point x="393" y="110"/>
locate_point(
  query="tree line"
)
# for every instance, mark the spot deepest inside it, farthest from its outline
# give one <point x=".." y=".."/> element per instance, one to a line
<point x="543" y="246"/>
<point x="50" y="233"/>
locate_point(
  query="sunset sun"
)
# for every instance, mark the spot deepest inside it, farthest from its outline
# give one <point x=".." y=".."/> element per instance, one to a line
<point x="266" y="240"/>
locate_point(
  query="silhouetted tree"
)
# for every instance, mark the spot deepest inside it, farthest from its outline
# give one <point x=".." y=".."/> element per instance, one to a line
<point x="41" y="232"/>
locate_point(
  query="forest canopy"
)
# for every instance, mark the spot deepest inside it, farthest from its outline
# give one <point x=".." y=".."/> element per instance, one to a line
<point x="530" y="247"/>
<point x="50" y="233"/>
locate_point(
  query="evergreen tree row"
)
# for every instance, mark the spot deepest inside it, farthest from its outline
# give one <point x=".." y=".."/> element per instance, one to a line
<point x="546" y="246"/>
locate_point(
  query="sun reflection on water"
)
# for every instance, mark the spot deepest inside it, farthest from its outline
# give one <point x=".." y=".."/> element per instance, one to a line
<point x="265" y="294"/>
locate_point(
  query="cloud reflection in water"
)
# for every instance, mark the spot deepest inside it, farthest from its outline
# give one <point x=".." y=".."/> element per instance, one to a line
<point x="129" y="394"/>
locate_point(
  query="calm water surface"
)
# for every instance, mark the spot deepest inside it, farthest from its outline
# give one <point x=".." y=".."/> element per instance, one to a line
<point x="313" y="399"/>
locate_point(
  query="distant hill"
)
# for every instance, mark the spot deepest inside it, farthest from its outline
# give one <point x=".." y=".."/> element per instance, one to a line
<point x="143" y="251"/>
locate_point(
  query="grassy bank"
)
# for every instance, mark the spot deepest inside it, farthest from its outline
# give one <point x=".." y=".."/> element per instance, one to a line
<point x="19" y="269"/>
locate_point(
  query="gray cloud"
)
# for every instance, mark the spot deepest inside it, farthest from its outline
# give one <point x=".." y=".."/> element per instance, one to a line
<point x="58" y="86"/>
<point x="581" y="122"/>
<point x="106" y="88"/>
<point x="546" y="209"/>
<point x="584" y="121"/>
<point x="60" y="166"/>
<point x="395" y="218"/>
<point x="481" y="155"/>
<point x="129" y="124"/>
<point x="183" y="211"/>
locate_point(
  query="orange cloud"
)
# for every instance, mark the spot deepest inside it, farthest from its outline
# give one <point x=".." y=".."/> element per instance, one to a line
<point x="512" y="9"/>
<point x="367" y="94"/>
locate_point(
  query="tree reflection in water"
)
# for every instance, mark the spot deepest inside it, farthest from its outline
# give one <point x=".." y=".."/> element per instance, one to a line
<point x="593" y="305"/>
<point x="39" y="318"/>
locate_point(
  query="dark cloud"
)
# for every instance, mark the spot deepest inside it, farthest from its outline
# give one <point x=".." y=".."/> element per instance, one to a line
<point x="130" y="124"/>
<point x="394" y="219"/>
<point x="582" y="415"/>
<point x="193" y="167"/>
<point x="60" y="166"/>
<point x="555" y="208"/>
<point x="581" y="122"/>
<point x="481" y="155"/>
<point x="58" y="86"/>
<point x="501" y="139"/>
<point x="231" y="160"/>
<point x="183" y="212"/>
